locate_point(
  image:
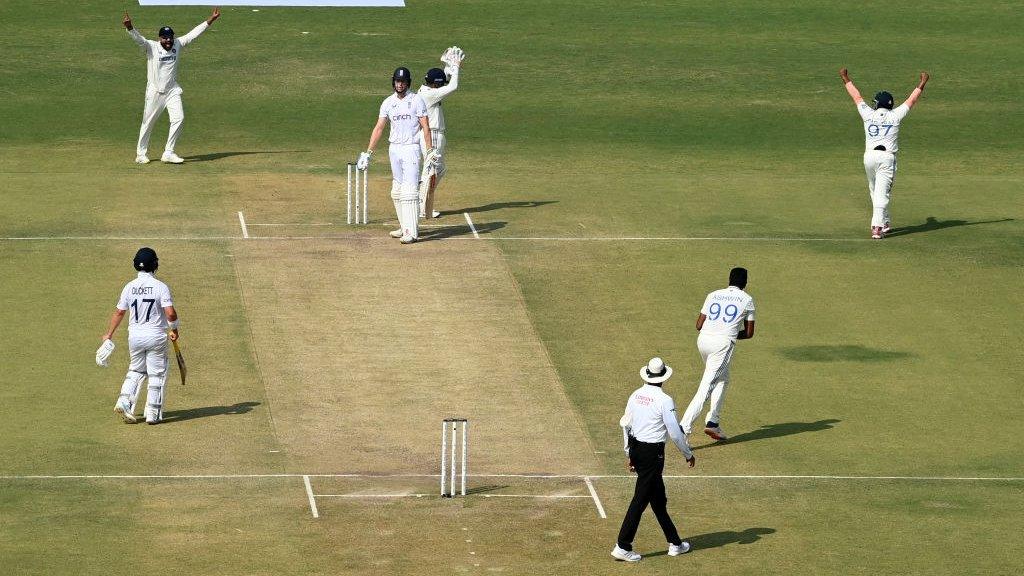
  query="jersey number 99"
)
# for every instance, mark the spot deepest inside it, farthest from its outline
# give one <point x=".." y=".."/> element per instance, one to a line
<point x="728" y="315"/>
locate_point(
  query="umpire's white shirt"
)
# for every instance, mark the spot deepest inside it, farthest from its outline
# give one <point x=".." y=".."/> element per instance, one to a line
<point x="404" y="114"/>
<point x="651" y="415"/>
<point x="162" y="65"/>
<point x="882" y="126"/>
<point x="726" y="312"/>
<point x="145" y="299"/>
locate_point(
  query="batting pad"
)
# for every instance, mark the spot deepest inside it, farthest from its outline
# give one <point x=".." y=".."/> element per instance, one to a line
<point x="296" y="3"/>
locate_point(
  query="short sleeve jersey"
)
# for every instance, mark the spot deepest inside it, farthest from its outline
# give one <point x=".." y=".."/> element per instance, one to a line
<point x="881" y="126"/>
<point x="404" y="115"/>
<point x="727" y="311"/>
<point x="145" y="299"/>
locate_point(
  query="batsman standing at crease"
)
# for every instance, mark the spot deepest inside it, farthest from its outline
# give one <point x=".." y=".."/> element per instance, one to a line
<point x="650" y="416"/>
<point x="437" y="85"/>
<point x="407" y="113"/>
<point x="162" y="89"/>
<point x="147" y="302"/>
<point x="881" y="128"/>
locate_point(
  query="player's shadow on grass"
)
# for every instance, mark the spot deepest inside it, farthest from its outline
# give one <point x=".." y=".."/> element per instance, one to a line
<point x="846" y="353"/>
<point x="777" y="431"/>
<point x="719" y="539"/>
<point x="206" y="411"/>
<point x="931" y="223"/>
<point x="427" y="234"/>
<point x="219" y="155"/>
<point x="499" y="206"/>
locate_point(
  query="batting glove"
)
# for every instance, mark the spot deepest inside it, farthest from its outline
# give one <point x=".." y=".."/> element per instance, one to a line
<point x="104" y="352"/>
<point x="364" y="160"/>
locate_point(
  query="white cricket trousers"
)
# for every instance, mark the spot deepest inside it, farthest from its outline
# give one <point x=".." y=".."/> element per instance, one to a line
<point x="717" y="354"/>
<point x="155" y="104"/>
<point x="405" y="174"/>
<point x="437" y="170"/>
<point x="880" y="167"/>
<point x="148" y="357"/>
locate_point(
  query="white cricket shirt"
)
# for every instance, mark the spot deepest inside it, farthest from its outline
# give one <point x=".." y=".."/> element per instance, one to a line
<point x="727" y="311"/>
<point x="144" y="299"/>
<point x="651" y="415"/>
<point x="881" y="126"/>
<point x="404" y="114"/>
<point x="432" y="97"/>
<point x="162" y="65"/>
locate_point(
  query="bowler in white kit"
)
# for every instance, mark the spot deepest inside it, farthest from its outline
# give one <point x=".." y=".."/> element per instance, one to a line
<point x="407" y="114"/>
<point x="881" y="129"/>
<point x="726" y="316"/>
<point x="437" y="85"/>
<point x="162" y="89"/>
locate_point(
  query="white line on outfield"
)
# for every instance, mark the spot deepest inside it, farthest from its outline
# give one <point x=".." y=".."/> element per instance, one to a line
<point x="241" y="222"/>
<point x="471" y="227"/>
<point x="593" y="494"/>
<point x="548" y="496"/>
<point x="295" y="224"/>
<point x="476" y="236"/>
<point x="309" y="494"/>
<point x="534" y="476"/>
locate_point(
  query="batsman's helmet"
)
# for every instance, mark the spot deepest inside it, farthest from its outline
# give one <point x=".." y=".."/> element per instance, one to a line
<point x="435" y="77"/>
<point x="165" y="32"/>
<point x="883" y="100"/>
<point x="401" y="74"/>
<point x="146" y="260"/>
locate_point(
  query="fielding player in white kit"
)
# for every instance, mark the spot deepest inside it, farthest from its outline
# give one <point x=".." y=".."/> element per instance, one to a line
<point x="162" y="89"/>
<point x="407" y="114"/>
<point x="437" y="85"/>
<point x="881" y="128"/>
<point x="147" y="302"/>
<point x="726" y="316"/>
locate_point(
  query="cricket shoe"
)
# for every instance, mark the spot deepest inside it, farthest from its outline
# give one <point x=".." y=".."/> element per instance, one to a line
<point x="142" y="159"/>
<point x="876" y="232"/>
<point x="395" y="233"/>
<point x="172" y="158"/>
<point x="716" y="433"/>
<point x="123" y="409"/>
<point x="682" y="548"/>
<point x="408" y="239"/>
<point x="886" y="228"/>
<point x="152" y="415"/>
<point x="433" y="214"/>
<point x="625" y="555"/>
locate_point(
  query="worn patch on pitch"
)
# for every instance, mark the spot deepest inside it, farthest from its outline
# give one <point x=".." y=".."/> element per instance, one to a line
<point x="365" y="346"/>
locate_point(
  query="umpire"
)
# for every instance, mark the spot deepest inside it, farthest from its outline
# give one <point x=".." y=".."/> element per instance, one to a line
<point x="650" y="414"/>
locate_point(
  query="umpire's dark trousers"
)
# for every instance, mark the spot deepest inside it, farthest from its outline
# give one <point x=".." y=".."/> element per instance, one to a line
<point x="649" y="461"/>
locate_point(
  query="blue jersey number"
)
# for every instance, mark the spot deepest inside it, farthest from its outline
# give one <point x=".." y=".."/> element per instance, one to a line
<point x="728" y="315"/>
<point x="876" y="129"/>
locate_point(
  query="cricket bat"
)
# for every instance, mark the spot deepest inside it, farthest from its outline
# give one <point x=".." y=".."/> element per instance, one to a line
<point x="181" y="361"/>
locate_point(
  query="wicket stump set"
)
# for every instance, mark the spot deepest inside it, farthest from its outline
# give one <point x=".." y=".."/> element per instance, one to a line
<point x="448" y="464"/>
<point x="361" y="177"/>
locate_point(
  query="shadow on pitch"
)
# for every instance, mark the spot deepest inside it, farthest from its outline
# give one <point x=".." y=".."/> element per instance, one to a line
<point x="484" y="489"/>
<point x="776" y="431"/>
<point x="206" y="411"/>
<point x="427" y="234"/>
<point x="219" y="155"/>
<point x="499" y="206"/>
<point x="719" y="539"/>
<point x="848" y="353"/>
<point x="931" y="223"/>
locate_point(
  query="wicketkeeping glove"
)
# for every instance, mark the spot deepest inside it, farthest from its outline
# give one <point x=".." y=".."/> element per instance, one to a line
<point x="104" y="352"/>
<point x="364" y="160"/>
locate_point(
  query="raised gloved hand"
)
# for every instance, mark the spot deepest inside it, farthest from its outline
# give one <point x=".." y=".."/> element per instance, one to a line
<point x="364" y="160"/>
<point x="453" y="56"/>
<point x="104" y="352"/>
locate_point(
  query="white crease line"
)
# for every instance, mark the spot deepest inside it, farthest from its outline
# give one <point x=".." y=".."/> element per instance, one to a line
<point x="405" y="495"/>
<point x="471" y="227"/>
<point x="241" y="221"/>
<point x="670" y="239"/>
<point x="293" y="224"/>
<point x="534" y="476"/>
<point x="552" y="496"/>
<point x="593" y="493"/>
<point x="309" y="494"/>
<point x="476" y="236"/>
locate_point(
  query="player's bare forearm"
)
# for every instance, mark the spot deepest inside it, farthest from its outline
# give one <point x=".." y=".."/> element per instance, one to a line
<point x="427" y="137"/>
<point x="213" y="17"/>
<point x="115" y="321"/>
<point x="378" y="130"/>
<point x="924" y="80"/>
<point x="700" y="321"/>
<point x="747" y="333"/>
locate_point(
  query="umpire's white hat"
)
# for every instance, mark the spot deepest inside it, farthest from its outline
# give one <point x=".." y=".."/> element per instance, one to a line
<point x="656" y="371"/>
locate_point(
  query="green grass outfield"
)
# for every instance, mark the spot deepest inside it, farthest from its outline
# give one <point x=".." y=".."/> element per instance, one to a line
<point x="615" y="159"/>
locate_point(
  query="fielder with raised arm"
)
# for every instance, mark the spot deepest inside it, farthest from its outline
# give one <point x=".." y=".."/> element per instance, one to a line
<point x="881" y="129"/>
<point x="437" y="85"/>
<point x="407" y="114"/>
<point x="162" y="89"/>
<point x="150" y="309"/>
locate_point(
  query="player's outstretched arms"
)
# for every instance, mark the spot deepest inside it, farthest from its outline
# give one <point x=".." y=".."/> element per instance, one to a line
<point x="213" y="17"/>
<point x="850" y="88"/>
<point x="912" y="99"/>
<point x="924" y="80"/>
<point x="127" y="21"/>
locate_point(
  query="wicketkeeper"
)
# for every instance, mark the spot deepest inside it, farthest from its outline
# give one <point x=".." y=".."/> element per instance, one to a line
<point x="437" y="85"/>
<point x="147" y="302"/>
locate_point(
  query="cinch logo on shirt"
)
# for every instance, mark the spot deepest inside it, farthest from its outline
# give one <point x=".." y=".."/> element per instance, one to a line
<point x="397" y="117"/>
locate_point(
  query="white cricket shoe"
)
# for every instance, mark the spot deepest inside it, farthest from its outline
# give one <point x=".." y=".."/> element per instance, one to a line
<point x="886" y="228"/>
<point x="715" y="432"/>
<point x="123" y="409"/>
<point x="395" y="233"/>
<point x="435" y="214"/>
<point x="674" y="550"/>
<point x="625" y="555"/>
<point x="172" y="158"/>
<point x="408" y="239"/>
<point x="142" y="159"/>
<point x="152" y="416"/>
